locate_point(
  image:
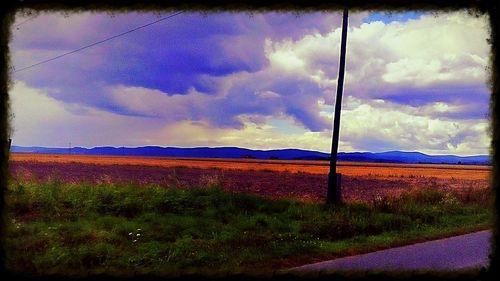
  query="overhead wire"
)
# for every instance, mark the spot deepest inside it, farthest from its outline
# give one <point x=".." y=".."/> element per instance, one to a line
<point x="25" y="21"/>
<point x="97" y="43"/>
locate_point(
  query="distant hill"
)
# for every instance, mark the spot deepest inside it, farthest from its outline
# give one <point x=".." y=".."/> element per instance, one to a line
<point x="413" y="158"/>
<point x="284" y="154"/>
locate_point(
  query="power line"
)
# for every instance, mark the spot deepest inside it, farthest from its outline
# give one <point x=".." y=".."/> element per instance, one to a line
<point x="25" y="21"/>
<point x="98" y="42"/>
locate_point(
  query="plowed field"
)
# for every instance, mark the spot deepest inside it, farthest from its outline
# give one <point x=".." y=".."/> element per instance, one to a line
<point x="469" y="172"/>
<point x="305" y="180"/>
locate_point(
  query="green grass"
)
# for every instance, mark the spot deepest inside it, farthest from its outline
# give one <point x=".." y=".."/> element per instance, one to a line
<point x="83" y="229"/>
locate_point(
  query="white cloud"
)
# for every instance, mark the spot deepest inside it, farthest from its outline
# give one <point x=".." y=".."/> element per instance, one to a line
<point x="263" y="136"/>
<point x="448" y="48"/>
<point x="155" y="103"/>
<point x="53" y="123"/>
<point x="285" y="60"/>
<point x="267" y="94"/>
<point x="288" y="102"/>
<point x="44" y="121"/>
<point x="366" y="125"/>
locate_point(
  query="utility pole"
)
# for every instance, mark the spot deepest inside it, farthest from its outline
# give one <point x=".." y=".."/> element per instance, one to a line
<point x="334" y="178"/>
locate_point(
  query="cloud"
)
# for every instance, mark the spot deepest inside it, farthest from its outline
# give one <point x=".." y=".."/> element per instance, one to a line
<point x="382" y="126"/>
<point x="267" y="94"/>
<point x="264" y="136"/>
<point x="399" y="65"/>
<point x="366" y="125"/>
<point x="59" y="124"/>
<point x="44" y="121"/>
<point x="448" y="49"/>
<point x="412" y="84"/>
<point x="171" y="56"/>
<point x="155" y="103"/>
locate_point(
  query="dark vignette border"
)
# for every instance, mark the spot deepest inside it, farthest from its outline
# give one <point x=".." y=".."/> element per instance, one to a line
<point x="475" y="7"/>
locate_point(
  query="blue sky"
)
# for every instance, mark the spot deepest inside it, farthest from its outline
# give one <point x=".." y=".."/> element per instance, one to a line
<point x="414" y="81"/>
<point x="388" y="17"/>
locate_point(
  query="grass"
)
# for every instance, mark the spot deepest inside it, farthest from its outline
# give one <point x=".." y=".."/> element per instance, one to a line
<point x="79" y="229"/>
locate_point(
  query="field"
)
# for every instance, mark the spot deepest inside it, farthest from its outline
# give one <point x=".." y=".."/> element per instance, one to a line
<point x="303" y="180"/>
<point x="471" y="172"/>
<point x="80" y="215"/>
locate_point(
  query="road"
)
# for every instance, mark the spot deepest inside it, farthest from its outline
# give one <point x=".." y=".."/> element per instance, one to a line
<point x="454" y="253"/>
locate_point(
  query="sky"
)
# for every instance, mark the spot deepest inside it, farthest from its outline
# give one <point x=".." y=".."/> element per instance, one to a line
<point x="414" y="81"/>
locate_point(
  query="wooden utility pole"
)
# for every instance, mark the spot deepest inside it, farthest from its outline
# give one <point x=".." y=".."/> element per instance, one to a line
<point x="334" y="178"/>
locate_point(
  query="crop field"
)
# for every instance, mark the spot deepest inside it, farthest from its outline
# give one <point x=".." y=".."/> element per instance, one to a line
<point x="303" y="180"/>
<point x="469" y="172"/>
<point x="82" y="215"/>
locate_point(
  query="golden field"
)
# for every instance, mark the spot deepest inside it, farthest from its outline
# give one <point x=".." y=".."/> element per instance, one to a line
<point x="465" y="172"/>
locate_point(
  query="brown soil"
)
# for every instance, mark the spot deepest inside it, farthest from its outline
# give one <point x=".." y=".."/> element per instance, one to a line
<point x="270" y="183"/>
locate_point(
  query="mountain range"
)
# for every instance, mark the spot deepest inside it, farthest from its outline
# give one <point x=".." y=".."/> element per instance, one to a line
<point x="284" y="154"/>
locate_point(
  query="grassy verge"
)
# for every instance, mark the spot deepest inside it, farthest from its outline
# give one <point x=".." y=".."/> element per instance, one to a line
<point x="78" y="229"/>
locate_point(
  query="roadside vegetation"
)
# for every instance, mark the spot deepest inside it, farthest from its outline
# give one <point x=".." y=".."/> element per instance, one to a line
<point x="118" y="229"/>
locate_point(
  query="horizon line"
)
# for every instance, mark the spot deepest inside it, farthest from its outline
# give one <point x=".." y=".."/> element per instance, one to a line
<point x="179" y="147"/>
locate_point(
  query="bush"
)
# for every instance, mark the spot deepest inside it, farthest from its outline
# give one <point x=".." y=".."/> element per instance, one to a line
<point x="423" y="196"/>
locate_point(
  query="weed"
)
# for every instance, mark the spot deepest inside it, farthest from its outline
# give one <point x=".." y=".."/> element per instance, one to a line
<point x="212" y="181"/>
<point x="79" y="228"/>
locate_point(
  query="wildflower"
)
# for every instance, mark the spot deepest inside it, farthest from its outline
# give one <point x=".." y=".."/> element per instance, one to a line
<point x="130" y="233"/>
<point x="138" y="229"/>
<point x="138" y="234"/>
<point x="135" y="240"/>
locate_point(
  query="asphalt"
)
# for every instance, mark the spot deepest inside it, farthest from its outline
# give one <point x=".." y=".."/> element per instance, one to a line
<point x="454" y="253"/>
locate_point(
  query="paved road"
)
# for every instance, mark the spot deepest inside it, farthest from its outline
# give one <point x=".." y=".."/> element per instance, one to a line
<point x="459" y="252"/>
